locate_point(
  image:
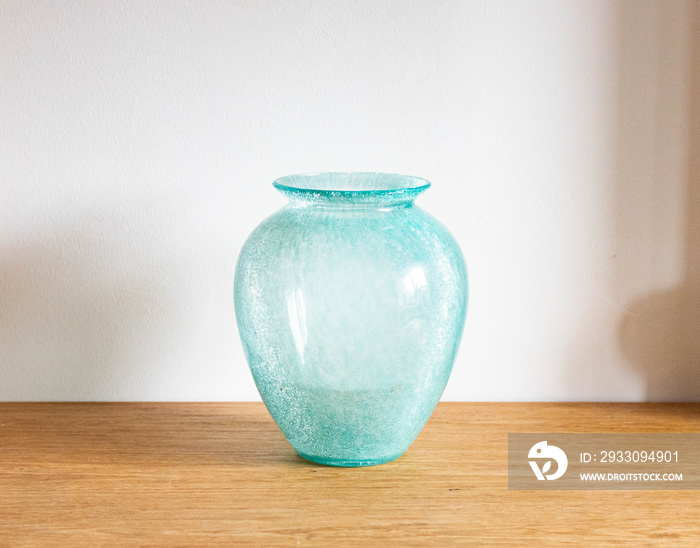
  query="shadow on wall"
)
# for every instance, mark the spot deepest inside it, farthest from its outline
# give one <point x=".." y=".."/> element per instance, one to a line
<point x="659" y="333"/>
<point x="80" y="312"/>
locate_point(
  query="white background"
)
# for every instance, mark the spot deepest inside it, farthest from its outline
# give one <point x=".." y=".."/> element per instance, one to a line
<point x="139" y="140"/>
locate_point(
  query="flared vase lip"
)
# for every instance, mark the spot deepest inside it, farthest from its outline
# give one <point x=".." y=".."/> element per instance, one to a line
<point x="348" y="184"/>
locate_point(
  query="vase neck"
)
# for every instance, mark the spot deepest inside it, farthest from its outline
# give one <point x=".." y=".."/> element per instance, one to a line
<point x="347" y="190"/>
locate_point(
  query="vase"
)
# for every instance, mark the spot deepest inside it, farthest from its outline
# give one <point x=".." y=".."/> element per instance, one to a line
<point x="350" y="303"/>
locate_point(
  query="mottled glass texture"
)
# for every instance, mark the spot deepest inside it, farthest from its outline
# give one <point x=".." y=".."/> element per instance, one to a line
<point x="350" y="303"/>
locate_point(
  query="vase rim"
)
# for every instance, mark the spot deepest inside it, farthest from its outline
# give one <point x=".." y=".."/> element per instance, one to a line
<point x="349" y="183"/>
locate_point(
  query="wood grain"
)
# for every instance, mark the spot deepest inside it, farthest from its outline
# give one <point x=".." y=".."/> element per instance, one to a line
<point x="88" y="474"/>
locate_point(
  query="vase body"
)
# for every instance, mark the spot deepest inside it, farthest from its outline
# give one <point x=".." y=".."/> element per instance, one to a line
<point x="350" y="303"/>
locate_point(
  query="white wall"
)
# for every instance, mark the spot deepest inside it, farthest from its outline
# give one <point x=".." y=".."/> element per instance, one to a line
<point x="138" y="141"/>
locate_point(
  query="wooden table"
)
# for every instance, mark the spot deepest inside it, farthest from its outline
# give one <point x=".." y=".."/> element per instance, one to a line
<point x="202" y="474"/>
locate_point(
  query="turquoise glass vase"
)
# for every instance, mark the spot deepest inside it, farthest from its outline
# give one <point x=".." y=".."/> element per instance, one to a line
<point x="350" y="303"/>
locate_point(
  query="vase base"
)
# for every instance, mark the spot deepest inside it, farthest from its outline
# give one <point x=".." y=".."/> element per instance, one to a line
<point x="348" y="463"/>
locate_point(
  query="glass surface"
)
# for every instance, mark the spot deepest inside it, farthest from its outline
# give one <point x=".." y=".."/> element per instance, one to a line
<point x="350" y="303"/>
